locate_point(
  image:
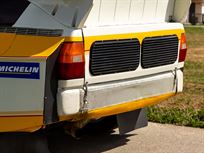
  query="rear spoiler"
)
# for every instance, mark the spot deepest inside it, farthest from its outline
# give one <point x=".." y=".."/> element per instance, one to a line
<point x="82" y="10"/>
<point x="76" y="11"/>
<point x="53" y="2"/>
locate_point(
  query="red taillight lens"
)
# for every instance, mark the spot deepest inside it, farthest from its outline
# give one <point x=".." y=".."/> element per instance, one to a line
<point x="183" y="48"/>
<point x="71" y="63"/>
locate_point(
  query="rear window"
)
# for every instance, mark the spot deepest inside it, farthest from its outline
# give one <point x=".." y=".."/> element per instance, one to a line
<point x="11" y="10"/>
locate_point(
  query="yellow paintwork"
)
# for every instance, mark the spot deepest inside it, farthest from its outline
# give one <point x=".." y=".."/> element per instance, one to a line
<point x="20" y="123"/>
<point x="73" y="39"/>
<point x="89" y="40"/>
<point x="120" y="108"/>
<point x="6" y="40"/>
<point x="33" y="46"/>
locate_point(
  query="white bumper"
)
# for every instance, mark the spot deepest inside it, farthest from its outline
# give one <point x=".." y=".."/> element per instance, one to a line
<point x="113" y="93"/>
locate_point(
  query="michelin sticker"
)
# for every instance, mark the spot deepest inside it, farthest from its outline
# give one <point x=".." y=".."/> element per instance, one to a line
<point x="19" y="70"/>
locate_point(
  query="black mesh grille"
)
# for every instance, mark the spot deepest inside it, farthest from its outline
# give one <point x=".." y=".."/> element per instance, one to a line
<point x="114" y="56"/>
<point x="32" y="31"/>
<point x="159" y="51"/>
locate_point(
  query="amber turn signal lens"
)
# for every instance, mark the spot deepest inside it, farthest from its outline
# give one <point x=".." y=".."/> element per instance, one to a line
<point x="71" y="62"/>
<point x="183" y="48"/>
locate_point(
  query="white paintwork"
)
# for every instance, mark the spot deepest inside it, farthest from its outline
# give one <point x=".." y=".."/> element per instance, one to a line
<point x="179" y="81"/>
<point x="137" y="29"/>
<point x="23" y="96"/>
<point x="68" y="102"/>
<point x="123" y="12"/>
<point x="71" y="83"/>
<point x="127" y="29"/>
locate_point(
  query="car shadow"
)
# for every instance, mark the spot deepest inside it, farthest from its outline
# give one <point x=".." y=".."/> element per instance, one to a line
<point x="94" y="142"/>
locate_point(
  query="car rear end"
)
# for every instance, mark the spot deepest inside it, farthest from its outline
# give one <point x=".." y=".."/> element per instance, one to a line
<point x="92" y="65"/>
<point x="127" y="71"/>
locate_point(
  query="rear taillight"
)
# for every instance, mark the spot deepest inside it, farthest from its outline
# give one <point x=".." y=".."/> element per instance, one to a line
<point x="71" y="62"/>
<point x="183" y="48"/>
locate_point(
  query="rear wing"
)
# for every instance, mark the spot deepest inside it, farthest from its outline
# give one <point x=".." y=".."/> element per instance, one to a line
<point x="116" y="12"/>
<point x="70" y="13"/>
<point x="51" y="2"/>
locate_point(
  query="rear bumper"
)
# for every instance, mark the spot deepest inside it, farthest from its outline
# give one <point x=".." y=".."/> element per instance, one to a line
<point x="120" y="96"/>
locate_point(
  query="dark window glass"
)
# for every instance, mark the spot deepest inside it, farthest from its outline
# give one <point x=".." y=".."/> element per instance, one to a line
<point x="11" y="10"/>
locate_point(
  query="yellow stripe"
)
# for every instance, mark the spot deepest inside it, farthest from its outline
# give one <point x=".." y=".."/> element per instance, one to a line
<point x="73" y="39"/>
<point x="120" y="108"/>
<point x="20" y="123"/>
<point x="89" y="40"/>
<point x="126" y="107"/>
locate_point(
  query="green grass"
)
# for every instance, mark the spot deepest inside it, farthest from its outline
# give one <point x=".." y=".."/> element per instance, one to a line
<point x="195" y="36"/>
<point x="194" y="72"/>
<point x="192" y="30"/>
<point x="187" y="108"/>
<point x="184" y="117"/>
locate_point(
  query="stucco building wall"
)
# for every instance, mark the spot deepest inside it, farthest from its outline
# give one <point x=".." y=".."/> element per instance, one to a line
<point x="199" y="10"/>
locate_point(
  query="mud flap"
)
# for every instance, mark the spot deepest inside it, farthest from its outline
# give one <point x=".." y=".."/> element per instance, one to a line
<point x="51" y="84"/>
<point x="130" y="121"/>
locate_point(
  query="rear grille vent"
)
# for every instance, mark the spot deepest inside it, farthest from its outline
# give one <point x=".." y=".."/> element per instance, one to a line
<point x="159" y="51"/>
<point x="32" y="31"/>
<point x="114" y="56"/>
